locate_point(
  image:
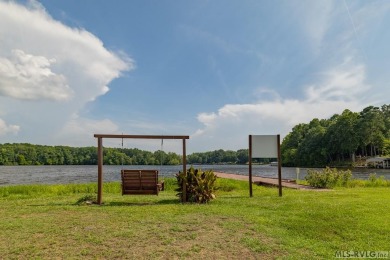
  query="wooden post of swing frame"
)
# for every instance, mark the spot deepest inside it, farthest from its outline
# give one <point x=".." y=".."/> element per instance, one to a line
<point x="100" y="170"/>
<point x="184" y="188"/>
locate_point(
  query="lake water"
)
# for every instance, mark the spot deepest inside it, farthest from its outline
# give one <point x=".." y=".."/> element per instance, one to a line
<point x="13" y="175"/>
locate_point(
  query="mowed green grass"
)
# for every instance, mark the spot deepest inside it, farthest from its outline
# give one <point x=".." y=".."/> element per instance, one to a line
<point x="44" y="221"/>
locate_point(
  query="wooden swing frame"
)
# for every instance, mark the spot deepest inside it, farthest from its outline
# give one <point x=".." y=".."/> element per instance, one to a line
<point x="162" y="137"/>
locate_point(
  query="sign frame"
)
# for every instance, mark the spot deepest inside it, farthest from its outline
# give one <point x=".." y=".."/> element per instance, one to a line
<point x="265" y="146"/>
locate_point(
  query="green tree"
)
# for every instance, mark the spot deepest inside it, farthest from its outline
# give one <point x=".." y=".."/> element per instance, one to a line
<point x="386" y="147"/>
<point x="21" y="160"/>
<point x="291" y="144"/>
<point x="386" y="117"/>
<point x="242" y="156"/>
<point x="371" y="131"/>
<point x="342" y="137"/>
<point x="312" y="151"/>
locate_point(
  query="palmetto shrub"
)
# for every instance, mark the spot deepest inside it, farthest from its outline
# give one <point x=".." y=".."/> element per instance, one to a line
<point x="200" y="185"/>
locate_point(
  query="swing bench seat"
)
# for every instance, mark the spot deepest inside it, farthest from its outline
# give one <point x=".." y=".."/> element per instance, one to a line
<point x="141" y="182"/>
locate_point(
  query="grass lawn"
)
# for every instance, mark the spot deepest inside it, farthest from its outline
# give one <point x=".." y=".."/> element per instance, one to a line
<point x="44" y="221"/>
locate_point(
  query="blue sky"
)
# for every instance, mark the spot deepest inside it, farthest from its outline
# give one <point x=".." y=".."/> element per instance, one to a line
<point x="214" y="70"/>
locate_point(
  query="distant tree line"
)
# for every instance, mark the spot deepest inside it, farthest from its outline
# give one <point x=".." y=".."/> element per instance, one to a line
<point x="340" y="139"/>
<point x="29" y="154"/>
<point x="219" y="157"/>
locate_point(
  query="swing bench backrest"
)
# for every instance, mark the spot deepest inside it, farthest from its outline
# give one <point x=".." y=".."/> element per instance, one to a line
<point x="140" y="182"/>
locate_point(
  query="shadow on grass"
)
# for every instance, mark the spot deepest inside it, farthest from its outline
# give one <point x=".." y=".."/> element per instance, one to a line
<point x="109" y="203"/>
<point x="139" y="203"/>
<point x="224" y="196"/>
<point x="53" y="204"/>
<point x="127" y="203"/>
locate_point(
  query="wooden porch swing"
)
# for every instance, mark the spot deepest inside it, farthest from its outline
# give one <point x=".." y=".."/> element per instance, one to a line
<point x="141" y="182"/>
<point x="137" y="182"/>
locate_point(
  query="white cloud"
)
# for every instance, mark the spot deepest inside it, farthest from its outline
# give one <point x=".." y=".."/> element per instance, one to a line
<point x="49" y="72"/>
<point x="344" y="82"/>
<point x="229" y="127"/>
<point x="6" y="129"/>
<point x="24" y="76"/>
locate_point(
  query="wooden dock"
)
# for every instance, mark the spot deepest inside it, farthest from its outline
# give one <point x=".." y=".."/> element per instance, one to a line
<point x="266" y="181"/>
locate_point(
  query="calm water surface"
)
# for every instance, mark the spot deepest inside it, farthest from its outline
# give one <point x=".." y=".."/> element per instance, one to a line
<point x="12" y="175"/>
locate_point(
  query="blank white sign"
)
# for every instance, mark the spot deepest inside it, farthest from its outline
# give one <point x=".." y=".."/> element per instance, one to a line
<point x="264" y="146"/>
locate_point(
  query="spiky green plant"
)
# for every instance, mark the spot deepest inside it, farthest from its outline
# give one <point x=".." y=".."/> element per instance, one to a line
<point x="200" y="185"/>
